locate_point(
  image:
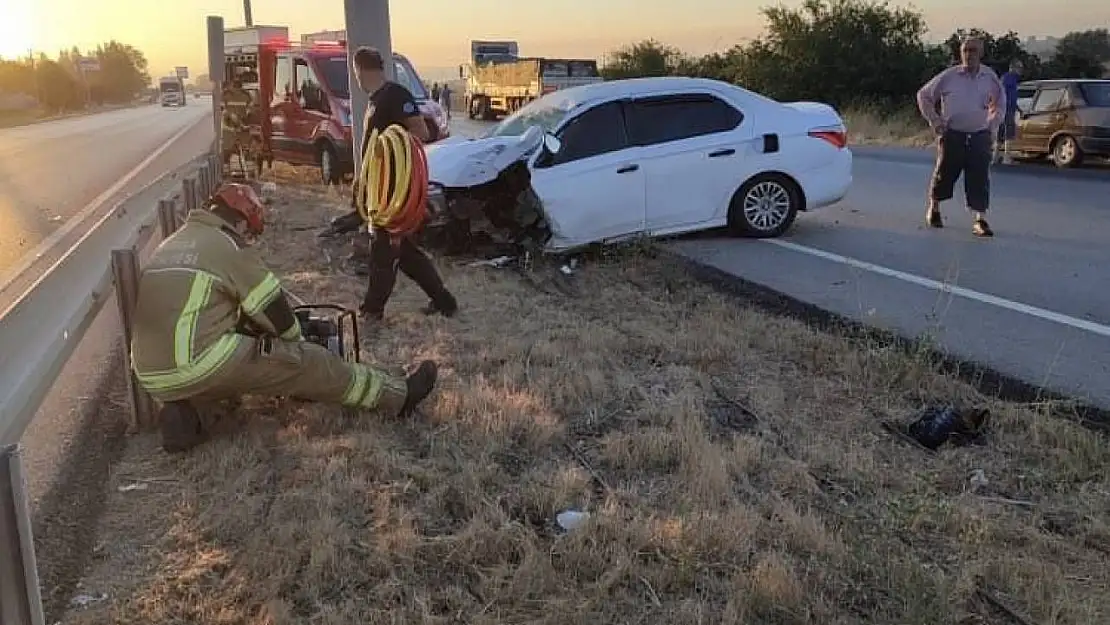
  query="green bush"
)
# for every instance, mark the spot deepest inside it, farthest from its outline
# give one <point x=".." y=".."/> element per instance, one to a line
<point x="852" y="54"/>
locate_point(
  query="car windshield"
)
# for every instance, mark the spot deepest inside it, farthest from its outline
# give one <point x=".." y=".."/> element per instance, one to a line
<point x="334" y="72"/>
<point x="1096" y="93"/>
<point x="545" y="112"/>
<point x="406" y="76"/>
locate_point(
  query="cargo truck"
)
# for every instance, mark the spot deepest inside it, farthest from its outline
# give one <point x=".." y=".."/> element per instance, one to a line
<point x="171" y="91"/>
<point x="499" y="81"/>
<point x="300" y="97"/>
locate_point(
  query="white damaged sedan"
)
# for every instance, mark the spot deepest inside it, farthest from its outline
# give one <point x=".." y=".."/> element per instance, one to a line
<point x="643" y="157"/>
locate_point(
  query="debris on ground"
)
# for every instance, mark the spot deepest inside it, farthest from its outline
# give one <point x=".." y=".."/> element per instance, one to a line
<point x="570" y="520"/>
<point x="937" y="425"/>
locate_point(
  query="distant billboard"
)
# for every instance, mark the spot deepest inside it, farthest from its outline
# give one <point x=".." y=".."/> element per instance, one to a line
<point x="89" y="64"/>
<point x="181" y="72"/>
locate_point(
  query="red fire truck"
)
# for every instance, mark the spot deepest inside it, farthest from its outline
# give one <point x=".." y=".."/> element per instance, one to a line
<point x="301" y="104"/>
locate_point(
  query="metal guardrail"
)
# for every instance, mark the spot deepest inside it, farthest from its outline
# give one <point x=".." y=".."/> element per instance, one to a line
<point x="46" y="322"/>
<point x="39" y="332"/>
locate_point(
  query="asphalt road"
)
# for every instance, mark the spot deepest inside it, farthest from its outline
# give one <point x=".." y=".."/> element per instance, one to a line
<point x="1031" y="302"/>
<point x="80" y="166"/>
<point x="50" y="171"/>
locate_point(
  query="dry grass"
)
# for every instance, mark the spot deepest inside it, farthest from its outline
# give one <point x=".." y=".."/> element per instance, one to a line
<point x="732" y="462"/>
<point x="901" y="128"/>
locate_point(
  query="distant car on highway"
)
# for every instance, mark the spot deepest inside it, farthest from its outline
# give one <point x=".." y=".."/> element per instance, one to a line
<point x="1068" y="120"/>
<point x="648" y="156"/>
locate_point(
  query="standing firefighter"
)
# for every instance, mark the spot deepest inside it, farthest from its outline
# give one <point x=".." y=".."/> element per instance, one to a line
<point x="234" y="121"/>
<point x="212" y="322"/>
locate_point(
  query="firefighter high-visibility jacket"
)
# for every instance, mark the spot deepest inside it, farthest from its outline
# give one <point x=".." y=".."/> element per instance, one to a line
<point x="203" y="284"/>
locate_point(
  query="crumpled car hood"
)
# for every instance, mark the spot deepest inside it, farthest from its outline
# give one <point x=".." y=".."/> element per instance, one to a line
<point x="464" y="164"/>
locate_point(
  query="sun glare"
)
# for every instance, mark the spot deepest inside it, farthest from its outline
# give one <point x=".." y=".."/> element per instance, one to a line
<point x="16" y="29"/>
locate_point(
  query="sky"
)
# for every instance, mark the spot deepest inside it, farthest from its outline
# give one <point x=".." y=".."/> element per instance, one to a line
<point x="435" y="34"/>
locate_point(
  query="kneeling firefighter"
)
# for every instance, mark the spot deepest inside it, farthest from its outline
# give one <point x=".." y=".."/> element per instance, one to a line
<point x="212" y="322"/>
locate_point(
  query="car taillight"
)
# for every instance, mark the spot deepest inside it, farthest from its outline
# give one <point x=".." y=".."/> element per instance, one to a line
<point x="835" y="137"/>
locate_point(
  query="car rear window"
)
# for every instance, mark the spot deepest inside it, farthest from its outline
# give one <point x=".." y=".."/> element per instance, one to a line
<point x="1096" y="94"/>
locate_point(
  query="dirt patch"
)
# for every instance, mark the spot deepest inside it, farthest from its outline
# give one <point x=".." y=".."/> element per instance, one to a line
<point x="733" y="464"/>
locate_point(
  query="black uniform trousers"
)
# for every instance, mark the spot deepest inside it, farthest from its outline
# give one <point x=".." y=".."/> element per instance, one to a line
<point x="387" y="255"/>
<point x="967" y="153"/>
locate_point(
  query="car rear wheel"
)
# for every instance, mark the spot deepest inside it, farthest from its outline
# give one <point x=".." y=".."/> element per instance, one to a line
<point x="1066" y="152"/>
<point x="764" y="207"/>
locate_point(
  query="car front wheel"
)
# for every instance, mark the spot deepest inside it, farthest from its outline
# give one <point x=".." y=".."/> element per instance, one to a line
<point x="764" y="207"/>
<point x="329" y="165"/>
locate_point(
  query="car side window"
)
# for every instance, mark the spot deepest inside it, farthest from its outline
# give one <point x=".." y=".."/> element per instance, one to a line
<point x="673" y="118"/>
<point x="1025" y="97"/>
<point x="1049" y="99"/>
<point x="309" y="93"/>
<point x="597" y="131"/>
<point x="283" y="79"/>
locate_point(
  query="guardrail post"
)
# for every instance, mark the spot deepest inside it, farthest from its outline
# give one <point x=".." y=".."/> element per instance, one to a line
<point x="189" y="190"/>
<point x="125" y="271"/>
<point x="20" y="597"/>
<point x="167" y="217"/>
<point x="205" y="183"/>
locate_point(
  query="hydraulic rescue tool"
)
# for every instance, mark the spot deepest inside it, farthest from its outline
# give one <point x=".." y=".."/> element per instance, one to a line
<point x="333" y="327"/>
<point x="393" y="182"/>
<point x="337" y="331"/>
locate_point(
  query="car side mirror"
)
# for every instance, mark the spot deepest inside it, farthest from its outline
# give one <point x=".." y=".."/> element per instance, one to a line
<point x="552" y="144"/>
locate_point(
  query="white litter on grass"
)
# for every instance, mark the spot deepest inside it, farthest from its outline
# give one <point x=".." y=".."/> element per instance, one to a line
<point x="571" y="519"/>
<point x="978" y="479"/>
<point x="130" y="487"/>
<point x="84" y="601"/>
<point x="496" y="263"/>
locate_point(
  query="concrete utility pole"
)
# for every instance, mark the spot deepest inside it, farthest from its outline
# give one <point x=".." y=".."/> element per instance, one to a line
<point x="367" y="25"/>
<point x="216" y="73"/>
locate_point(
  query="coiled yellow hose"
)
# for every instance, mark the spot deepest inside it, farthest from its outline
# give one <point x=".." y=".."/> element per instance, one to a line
<point x="392" y="184"/>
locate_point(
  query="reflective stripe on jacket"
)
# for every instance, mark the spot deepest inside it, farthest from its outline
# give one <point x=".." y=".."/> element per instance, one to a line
<point x="200" y="285"/>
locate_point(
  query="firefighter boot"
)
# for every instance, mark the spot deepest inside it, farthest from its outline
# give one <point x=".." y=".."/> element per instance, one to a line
<point x="419" y="385"/>
<point x="182" y="428"/>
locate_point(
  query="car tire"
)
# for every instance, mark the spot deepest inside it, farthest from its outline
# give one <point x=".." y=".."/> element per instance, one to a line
<point x="1066" y="152"/>
<point x="329" y="164"/>
<point x="764" y="207"/>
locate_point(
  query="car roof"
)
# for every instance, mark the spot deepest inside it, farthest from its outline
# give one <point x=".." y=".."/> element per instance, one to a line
<point x="633" y="87"/>
<point x="1063" y="81"/>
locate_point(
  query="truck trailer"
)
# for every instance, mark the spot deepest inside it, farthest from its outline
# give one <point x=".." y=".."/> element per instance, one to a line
<point x="500" y="82"/>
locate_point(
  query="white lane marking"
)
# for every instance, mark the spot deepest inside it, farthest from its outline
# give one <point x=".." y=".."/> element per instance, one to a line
<point x="43" y="248"/>
<point x="982" y="298"/>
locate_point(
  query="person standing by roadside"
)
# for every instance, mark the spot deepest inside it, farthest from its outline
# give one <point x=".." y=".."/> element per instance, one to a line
<point x="390" y="103"/>
<point x="445" y="100"/>
<point x="435" y="91"/>
<point x="971" y="104"/>
<point x="1008" y="131"/>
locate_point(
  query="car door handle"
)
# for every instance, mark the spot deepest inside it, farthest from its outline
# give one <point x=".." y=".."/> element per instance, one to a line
<point x="628" y="169"/>
<point x="728" y="152"/>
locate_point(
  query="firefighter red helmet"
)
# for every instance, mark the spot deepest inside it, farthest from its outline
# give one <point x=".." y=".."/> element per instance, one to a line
<point x="242" y="199"/>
